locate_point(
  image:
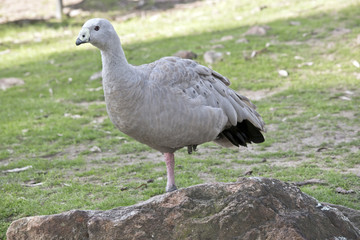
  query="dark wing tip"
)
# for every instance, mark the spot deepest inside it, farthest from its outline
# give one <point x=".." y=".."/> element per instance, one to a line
<point x="244" y="132"/>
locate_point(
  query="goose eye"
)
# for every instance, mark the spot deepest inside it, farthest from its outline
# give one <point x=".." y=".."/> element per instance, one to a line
<point x="97" y="28"/>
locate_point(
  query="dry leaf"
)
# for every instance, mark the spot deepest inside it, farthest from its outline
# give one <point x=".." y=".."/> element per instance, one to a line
<point x="32" y="183"/>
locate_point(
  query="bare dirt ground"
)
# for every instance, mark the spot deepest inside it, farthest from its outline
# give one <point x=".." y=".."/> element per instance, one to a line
<point x="12" y="11"/>
<point x="31" y="10"/>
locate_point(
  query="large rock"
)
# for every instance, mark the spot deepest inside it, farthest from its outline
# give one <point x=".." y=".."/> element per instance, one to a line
<point x="253" y="208"/>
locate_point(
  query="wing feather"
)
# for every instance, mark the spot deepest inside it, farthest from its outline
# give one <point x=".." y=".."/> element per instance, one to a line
<point x="199" y="86"/>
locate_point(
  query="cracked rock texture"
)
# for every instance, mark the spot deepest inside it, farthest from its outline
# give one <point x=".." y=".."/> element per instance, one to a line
<point x="252" y="208"/>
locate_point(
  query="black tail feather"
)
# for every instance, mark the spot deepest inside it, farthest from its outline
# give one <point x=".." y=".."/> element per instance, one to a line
<point x="244" y="132"/>
<point x="229" y="135"/>
<point x="241" y="139"/>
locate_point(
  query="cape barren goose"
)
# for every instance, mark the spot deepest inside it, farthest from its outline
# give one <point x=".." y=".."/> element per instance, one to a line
<point x="171" y="103"/>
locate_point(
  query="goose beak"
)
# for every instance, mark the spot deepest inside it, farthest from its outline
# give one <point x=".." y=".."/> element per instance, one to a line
<point x="78" y="42"/>
<point x="84" y="36"/>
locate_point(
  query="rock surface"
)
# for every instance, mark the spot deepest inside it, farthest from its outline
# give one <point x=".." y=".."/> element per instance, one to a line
<point x="185" y="54"/>
<point x="257" y="30"/>
<point x="253" y="208"/>
<point x="211" y="56"/>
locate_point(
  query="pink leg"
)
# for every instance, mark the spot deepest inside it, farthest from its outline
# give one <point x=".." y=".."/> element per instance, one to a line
<point x="170" y="163"/>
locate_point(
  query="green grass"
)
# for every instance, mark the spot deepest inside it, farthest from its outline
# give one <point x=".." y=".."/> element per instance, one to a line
<point x="312" y="132"/>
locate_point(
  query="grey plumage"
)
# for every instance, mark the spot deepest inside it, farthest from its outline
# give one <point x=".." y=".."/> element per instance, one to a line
<point x="177" y="103"/>
<point x="172" y="102"/>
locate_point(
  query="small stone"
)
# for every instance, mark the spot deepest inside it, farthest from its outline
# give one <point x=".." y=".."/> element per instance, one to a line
<point x="211" y="57"/>
<point x="95" y="76"/>
<point x="257" y="30"/>
<point x="355" y="63"/>
<point x="6" y="83"/>
<point x="217" y="46"/>
<point x="95" y="149"/>
<point x="24" y="131"/>
<point x="6" y="51"/>
<point x="226" y="38"/>
<point x="75" y="12"/>
<point x="295" y="23"/>
<point x="305" y="64"/>
<point x="253" y="54"/>
<point x="242" y="40"/>
<point x="76" y="116"/>
<point x="51" y="92"/>
<point x="343" y="191"/>
<point x="345" y="98"/>
<point x="186" y="54"/>
<point x="283" y="73"/>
